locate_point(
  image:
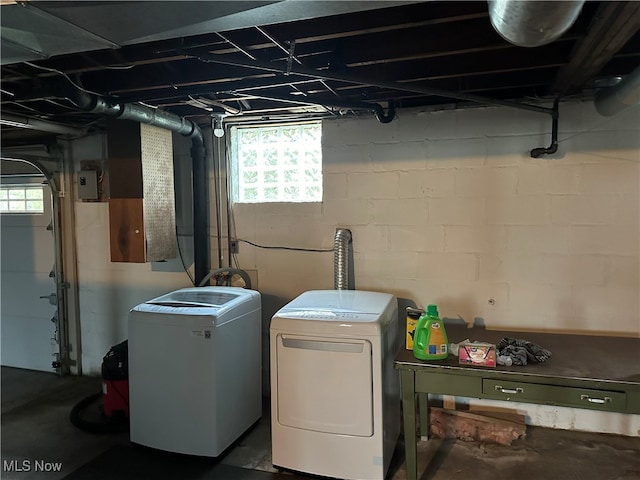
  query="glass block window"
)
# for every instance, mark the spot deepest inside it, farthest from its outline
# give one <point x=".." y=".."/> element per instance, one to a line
<point x="277" y="163"/>
<point x="22" y="199"/>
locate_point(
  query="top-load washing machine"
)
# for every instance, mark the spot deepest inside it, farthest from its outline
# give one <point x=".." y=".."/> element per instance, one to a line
<point x="195" y="369"/>
<point x="335" y="396"/>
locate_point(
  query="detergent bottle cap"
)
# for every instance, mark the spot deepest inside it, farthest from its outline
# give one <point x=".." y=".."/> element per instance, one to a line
<point x="432" y="310"/>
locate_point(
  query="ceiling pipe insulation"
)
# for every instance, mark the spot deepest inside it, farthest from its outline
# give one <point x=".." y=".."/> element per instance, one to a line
<point x="99" y="105"/>
<point x="532" y="23"/>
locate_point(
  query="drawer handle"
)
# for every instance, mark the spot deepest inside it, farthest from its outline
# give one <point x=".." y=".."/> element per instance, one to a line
<point x="595" y="400"/>
<point x="509" y="390"/>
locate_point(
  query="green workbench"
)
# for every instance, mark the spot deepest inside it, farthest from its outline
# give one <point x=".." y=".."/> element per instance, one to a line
<point x="591" y="372"/>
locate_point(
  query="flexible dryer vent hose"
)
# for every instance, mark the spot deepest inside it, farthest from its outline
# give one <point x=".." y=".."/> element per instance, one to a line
<point x="342" y="259"/>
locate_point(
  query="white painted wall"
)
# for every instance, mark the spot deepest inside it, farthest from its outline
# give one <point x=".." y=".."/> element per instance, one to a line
<point x="107" y="291"/>
<point x="449" y="208"/>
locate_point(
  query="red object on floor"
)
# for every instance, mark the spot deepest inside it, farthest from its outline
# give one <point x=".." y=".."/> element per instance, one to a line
<point x="115" y="397"/>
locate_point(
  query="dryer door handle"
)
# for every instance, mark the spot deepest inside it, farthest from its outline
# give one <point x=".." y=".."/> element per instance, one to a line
<point x="324" y="346"/>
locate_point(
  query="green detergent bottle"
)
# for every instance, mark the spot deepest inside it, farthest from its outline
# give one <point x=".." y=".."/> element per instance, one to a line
<point x="430" y="338"/>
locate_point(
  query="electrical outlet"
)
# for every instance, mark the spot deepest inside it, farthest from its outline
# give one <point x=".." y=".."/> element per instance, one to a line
<point x="233" y="246"/>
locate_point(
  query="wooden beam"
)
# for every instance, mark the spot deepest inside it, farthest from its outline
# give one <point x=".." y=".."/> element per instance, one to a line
<point x="613" y="25"/>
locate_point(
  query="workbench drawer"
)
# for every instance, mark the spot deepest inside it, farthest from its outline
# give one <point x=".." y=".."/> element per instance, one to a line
<point x="446" y="384"/>
<point x="555" y="395"/>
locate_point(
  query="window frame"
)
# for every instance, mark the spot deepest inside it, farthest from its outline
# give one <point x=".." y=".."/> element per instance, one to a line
<point x="235" y="167"/>
<point x="24" y="186"/>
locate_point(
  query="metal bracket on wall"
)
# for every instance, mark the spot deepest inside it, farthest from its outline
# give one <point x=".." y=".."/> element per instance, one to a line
<point x="553" y="148"/>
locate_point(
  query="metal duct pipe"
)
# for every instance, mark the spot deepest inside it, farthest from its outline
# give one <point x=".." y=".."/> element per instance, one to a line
<point x="160" y="118"/>
<point x="532" y="23"/>
<point x="200" y="173"/>
<point x="138" y="113"/>
<point x="624" y="94"/>
<point x="343" y="260"/>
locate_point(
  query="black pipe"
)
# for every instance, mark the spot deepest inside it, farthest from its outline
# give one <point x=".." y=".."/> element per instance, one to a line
<point x="553" y="148"/>
<point x="200" y="168"/>
<point x="389" y="116"/>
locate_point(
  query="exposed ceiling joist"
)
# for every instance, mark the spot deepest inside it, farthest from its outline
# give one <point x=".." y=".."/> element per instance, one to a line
<point x="186" y="57"/>
<point x="614" y="24"/>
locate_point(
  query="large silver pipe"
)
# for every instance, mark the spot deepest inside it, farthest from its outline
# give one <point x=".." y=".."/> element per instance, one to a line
<point x="342" y="260"/>
<point x="532" y="23"/>
<point x="626" y="93"/>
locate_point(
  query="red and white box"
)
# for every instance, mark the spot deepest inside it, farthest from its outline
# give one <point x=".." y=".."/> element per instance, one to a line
<point x="479" y="354"/>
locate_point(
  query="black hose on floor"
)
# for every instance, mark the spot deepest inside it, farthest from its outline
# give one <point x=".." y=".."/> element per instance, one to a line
<point x="106" y="425"/>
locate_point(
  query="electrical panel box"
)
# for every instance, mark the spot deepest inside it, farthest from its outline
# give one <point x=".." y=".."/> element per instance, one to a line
<point x="88" y="185"/>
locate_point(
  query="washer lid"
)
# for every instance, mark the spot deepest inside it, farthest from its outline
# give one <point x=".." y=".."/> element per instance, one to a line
<point x="224" y="303"/>
<point x="195" y="297"/>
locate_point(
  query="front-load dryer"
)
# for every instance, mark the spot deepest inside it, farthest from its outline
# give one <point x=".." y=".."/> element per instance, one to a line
<point x="195" y="369"/>
<point x="335" y="396"/>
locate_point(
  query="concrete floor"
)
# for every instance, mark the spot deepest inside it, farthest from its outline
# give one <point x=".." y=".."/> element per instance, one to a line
<point x="36" y="427"/>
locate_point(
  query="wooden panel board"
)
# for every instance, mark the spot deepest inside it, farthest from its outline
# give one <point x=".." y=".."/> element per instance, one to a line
<point x="126" y="230"/>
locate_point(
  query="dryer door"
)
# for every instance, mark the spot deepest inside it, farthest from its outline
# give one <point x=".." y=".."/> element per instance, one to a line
<point x="325" y="384"/>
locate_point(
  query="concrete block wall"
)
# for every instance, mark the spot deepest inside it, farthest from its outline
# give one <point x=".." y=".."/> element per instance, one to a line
<point x="449" y="208"/>
<point x="445" y="207"/>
